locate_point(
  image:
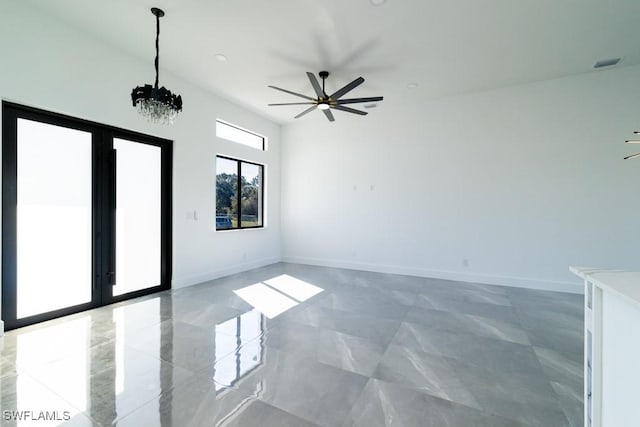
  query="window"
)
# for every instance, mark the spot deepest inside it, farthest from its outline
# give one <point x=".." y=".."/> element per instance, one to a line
<point x="239" y="189"/>
<point x="239" y="135"/>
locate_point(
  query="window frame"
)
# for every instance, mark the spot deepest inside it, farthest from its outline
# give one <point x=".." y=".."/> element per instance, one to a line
<point x="225" y="123"/>
<point x="239" y="193"/>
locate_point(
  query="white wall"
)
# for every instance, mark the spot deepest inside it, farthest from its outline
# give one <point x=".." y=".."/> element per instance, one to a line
<point x="521" y="182"/>
<point x="49" y="65"/>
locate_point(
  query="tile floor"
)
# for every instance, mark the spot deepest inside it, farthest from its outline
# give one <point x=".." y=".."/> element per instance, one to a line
<point x="349" y="348"/>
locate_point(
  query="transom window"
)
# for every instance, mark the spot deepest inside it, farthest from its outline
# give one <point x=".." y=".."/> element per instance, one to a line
<point x="239" y="194"/>
<point x="241" y="136"/>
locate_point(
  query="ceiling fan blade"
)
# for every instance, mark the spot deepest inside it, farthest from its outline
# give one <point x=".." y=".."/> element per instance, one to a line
<point x="340" y="92"/>
<point x="293" y="93"/>
<point x="632" y="141"/>
<point x="329" y="115"/>
<point x="632" y="156"/>
<point x="308" y="110"/>
<point x="292" y="103"/>
<point x="356" y="100"/>
<point x="315" y="84"/>
<point x="349" y="110"/>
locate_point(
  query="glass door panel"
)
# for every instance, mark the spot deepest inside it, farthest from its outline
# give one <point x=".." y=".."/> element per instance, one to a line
<point x="86" y="215"/>
<point x="138" y="216"/>
<point x="53" y="218"/>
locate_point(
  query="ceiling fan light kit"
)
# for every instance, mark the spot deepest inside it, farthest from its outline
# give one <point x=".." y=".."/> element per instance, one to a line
<point x="325" y="102"/>
<point x="155" y="103"/>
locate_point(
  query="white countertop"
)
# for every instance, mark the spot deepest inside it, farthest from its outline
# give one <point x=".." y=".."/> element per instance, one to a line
<point x="624" y="283"/>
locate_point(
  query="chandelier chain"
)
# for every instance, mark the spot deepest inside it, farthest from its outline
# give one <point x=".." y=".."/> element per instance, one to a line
<point x="157" y="49"/>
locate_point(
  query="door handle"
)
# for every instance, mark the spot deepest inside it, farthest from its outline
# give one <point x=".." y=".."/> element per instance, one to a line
<point x="111" y="274"/>
<point x="113" y="171"/>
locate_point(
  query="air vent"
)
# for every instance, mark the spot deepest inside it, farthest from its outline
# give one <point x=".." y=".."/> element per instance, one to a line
<point x="373" y="105"/>
<point x="606" y="62"/>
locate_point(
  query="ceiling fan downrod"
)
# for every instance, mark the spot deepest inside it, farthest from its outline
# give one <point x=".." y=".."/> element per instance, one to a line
<point x="323" y="75"/>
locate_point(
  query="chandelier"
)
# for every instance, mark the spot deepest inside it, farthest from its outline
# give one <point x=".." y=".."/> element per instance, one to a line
<point x="158" y="105"/>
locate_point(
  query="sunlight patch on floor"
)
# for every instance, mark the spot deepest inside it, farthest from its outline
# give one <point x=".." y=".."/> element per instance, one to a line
<point x="277" y="295"/>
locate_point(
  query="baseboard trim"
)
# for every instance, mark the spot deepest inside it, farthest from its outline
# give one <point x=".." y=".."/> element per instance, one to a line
<point x="215" y="274"/>
<point x="518" y="282"/>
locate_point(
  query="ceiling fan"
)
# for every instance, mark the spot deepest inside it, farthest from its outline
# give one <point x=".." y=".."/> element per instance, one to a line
<point x="633" y="141"/>
<point x="326" y="102"/>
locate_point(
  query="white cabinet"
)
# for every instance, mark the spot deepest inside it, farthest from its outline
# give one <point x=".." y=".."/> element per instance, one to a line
<point x="612" y="347"/>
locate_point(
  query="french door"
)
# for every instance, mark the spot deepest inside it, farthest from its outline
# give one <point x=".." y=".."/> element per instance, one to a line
<point x="86" y="215"/>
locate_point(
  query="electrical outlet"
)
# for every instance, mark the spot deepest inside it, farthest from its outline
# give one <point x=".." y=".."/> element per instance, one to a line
<point x="465" y="263"/>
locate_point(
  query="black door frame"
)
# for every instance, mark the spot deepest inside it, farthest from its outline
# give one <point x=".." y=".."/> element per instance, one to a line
<point x="103" y="210"/>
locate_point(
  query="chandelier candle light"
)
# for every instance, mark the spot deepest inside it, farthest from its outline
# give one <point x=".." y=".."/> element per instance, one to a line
<point x="158" y="105"/>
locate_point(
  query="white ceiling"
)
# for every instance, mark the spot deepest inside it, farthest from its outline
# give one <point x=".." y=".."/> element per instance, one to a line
<point x="446" y="46"/>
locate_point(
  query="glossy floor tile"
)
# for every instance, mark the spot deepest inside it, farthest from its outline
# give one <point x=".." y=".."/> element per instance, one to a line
<point x="295" y="345"/>
<point x="385" y="404"/>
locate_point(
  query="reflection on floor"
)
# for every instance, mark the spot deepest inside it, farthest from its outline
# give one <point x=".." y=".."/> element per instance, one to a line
<point x="292" y="345"/>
